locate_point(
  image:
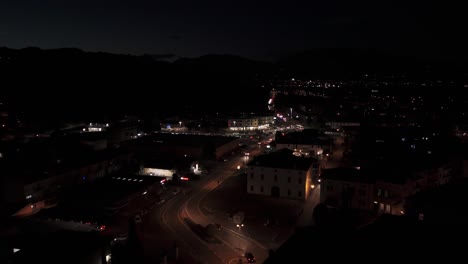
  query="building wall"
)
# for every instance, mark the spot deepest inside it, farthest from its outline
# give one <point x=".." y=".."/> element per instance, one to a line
<point x="243" y="122"/>
<point x="387" y="197"/>
<point x="259" y="122"/>
<point x="300" y="147"/>
<point x="309" y="180"/>
<point x="265" y="120"/>
<point x="314" y="150"/>
<point x="357" y="195"/>
<point x="286" y="183"/>
<point x="158" y="172"/>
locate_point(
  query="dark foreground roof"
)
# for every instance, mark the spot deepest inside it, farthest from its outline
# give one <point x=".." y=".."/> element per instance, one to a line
<point x="389" y="240"/>
<point x="58" y="247"/>
<point x="282" y="159"/>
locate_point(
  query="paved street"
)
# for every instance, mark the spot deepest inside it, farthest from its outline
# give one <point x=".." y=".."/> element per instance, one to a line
<point x="169" y="221"/>
<point x="174" y="223"/>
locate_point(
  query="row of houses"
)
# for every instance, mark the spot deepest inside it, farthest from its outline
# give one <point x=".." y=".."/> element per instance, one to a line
<point x="383" y="190"/>
<point x="31" y="190"/>
<point x="41" y="170"/>
<point x="305" y="143"/>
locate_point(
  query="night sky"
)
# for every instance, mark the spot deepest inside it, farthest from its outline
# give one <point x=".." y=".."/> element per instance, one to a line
<point x="257" y="29"/>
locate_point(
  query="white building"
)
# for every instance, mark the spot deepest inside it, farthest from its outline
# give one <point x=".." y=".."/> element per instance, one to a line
<point x="250" y="123"/>
<point x="281" y="174"/>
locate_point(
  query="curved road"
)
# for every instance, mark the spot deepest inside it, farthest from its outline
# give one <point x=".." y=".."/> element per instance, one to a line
<point x="187" y="205"/>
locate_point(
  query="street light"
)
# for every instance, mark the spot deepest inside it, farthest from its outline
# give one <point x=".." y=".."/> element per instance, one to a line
<point x="240" y="226"/>
<point x="180" y="123"/>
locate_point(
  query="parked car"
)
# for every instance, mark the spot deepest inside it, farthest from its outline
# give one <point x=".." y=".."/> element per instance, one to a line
<point x="250" y="257"/>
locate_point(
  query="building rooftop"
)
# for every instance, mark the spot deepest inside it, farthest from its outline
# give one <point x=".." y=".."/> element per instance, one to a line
<point x="99" y="197"/>
<point x="388" y="234"/>
<point x="282" y="159"/>
<point x="37" y="166"/>
<point x="397" y="172"/>
<point x="166" y="163"/>
<point x="346" y="174"/>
